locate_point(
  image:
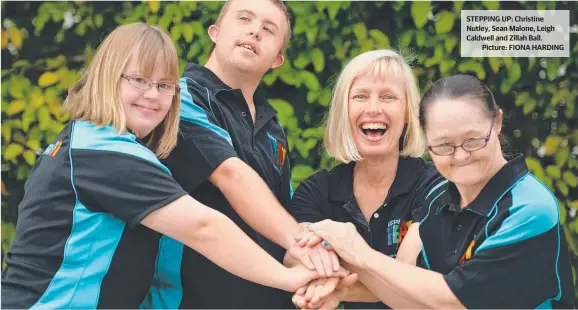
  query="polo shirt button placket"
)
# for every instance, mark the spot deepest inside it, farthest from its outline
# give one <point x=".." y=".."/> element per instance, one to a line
<point x="376" y="215"/>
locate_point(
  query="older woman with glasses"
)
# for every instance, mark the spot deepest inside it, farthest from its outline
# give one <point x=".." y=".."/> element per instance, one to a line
<point x="491" y="234"/>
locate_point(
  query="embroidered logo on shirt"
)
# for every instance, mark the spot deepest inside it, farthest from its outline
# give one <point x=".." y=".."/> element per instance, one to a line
<point x="278" y="151"/>
<point x="468" y="254"/>
<point x="396" y="231"/>
<point x="52" y="149"/>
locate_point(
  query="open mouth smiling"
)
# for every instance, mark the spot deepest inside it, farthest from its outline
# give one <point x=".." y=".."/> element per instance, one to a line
<point x="374" y="131"/>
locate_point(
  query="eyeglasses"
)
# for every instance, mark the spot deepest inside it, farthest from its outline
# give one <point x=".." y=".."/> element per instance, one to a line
<point x="141" y="82"/>
<point x="469" y="146"/>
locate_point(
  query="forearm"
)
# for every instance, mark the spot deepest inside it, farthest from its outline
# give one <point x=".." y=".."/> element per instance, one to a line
<point x="407" y="254"/>
<point x="401" y="285"/>
<point x="220" y="240"/>
<point x="410" y="247"/>
<point x="254" y="202"/>
<point x="358" y="292"/>
<point x="215" y="236"/>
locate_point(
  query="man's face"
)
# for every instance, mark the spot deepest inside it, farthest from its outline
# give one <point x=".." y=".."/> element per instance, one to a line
<point x="250" y="36"/>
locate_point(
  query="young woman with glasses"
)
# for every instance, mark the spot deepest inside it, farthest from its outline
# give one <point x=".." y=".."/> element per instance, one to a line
<point x="491" y="234"/>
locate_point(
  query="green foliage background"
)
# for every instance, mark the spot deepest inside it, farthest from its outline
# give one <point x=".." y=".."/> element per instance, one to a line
<point x="46" y="44"/>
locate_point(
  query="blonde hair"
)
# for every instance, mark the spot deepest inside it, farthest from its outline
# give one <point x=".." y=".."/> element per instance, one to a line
<point x="96" y="96"/>
<point x="338" y="139"/>
<point x="278" y="3"/>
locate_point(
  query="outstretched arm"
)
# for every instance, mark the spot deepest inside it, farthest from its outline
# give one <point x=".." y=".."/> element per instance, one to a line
<point x="215" y="236"/>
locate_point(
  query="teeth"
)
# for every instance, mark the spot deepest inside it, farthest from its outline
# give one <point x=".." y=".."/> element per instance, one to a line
<point x="247" y="47"/>
<point x="374" y="126"/>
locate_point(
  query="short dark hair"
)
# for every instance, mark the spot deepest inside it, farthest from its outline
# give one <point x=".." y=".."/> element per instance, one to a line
<point x="458" y="86"/>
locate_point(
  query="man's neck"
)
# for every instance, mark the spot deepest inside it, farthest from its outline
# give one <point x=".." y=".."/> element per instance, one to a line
<point x="236" y="79"/>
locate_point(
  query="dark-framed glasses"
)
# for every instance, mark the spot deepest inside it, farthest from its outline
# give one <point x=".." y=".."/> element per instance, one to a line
<point x="141" y="82"/>
<point x="469" y="145"/>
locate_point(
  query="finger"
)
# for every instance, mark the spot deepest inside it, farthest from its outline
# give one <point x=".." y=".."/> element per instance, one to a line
<point x="299" y="301"/>
<point x="310" y="292"/>
<point x="295" y="301"/>
<point x="306" y="261"/>
<point x="323" y="225"/>
<point x="301" y="234"/>
<point x="317" y="262"/>
<point x="326" y="260"/>
<point x="331" y="304"/>
<point x="314" y="240"/>
<point x="323" y="234"/>
<point x="305" y="239"/>
<point x="301" y="291"/>
<point x="334" y="260"/>
<point x="320" y="305"/>
<point x="327" y="246"/>
<point x="348" y="281"/>
<point x="314" y="298"/>
<point x="342" y="273"/>
<point x="315" y="303"/>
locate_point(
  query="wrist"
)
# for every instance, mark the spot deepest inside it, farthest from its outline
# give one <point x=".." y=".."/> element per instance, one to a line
<point x="362" y="258"/>
<point x="289" y="241"/>
<point x="285" y="279"/>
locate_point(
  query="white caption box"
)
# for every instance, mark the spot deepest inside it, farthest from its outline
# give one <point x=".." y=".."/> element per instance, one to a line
<point x="524" y="33"/>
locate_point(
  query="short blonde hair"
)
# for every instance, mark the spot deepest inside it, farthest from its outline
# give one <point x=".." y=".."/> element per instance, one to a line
<point x="278" y="3"/>
<point x="96" y="96"/>
<point x="338" y="139"/>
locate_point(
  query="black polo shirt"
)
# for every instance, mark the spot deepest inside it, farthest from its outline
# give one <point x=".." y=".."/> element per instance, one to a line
<point x="329" y="195"/>
<point x="216" y="125"/>
<point x="79" y="242"/>
<point x="506" y="249"/>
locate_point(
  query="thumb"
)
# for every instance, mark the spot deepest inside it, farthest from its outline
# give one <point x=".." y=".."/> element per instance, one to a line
<point x="348" y="281"/>
<point x="318" y="226"/>
<point x="301" y="291"/>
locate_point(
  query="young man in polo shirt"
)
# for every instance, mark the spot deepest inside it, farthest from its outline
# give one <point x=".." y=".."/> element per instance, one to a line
<point x="232" y="155"/>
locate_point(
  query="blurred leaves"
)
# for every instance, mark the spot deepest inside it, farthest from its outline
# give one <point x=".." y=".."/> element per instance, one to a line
<point x="419" y="12"/>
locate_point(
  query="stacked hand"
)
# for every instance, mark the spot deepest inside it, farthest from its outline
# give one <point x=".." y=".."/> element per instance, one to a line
<point x="324" y="293"/>
<point x="316" y="257"/>
<point x="328" y="291"/>
<point x="342" y="238"/>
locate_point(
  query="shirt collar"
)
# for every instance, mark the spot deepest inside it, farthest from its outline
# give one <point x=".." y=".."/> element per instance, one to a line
<point x="498" y="185"/>
<point x="207" y="78"/>
<point x="406" y="177"/>
<point x="341" y="182"/>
